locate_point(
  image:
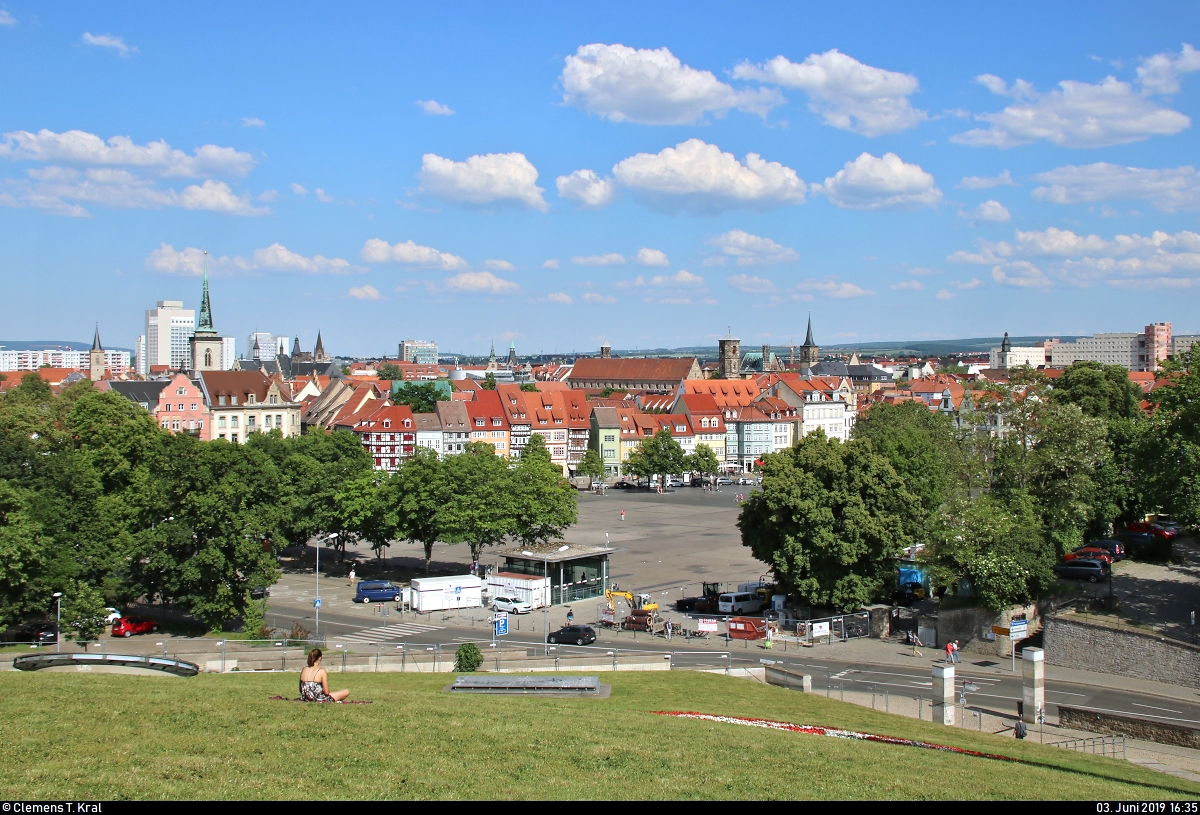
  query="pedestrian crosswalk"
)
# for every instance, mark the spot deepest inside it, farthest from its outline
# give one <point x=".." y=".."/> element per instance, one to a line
<point x="387" y="633"/>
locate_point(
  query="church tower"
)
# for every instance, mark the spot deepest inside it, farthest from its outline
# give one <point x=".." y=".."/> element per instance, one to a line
<point x="96" y="358"/>
<point x="512" y="355"/>
<point x="810" y="352"/>
<point x="206" y="342"/>
<point x="319" y="354"/>
<point x="729" y="350"/>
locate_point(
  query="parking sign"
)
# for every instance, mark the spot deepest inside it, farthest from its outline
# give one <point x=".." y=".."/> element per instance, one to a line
<point x="317" y="603"/>
<point x="501" y="623"/>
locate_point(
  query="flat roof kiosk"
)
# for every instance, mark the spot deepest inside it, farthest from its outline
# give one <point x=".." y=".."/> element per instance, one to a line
<point x="576" y="570"/>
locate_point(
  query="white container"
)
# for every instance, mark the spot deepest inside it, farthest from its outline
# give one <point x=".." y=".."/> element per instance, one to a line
<point x="525" y="587"/>
<point x="443" y="593"/>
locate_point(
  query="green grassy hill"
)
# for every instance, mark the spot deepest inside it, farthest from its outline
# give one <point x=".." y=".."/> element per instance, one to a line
<point x="74" y="736"/>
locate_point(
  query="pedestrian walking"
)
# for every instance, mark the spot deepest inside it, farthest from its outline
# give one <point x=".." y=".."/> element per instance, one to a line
<point x="950" y="653"/>
<point x="570" y="616"/>
<point x="667" y="628"/>
<point x="957" y="658"/>
<point x="1020" y="730"/>
<point x="622" y="515"/>
<point x="351" y="577"/>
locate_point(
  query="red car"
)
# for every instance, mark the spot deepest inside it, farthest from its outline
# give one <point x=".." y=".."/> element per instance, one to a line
<point x="1152" y="529"/>
<point x="1089" y="552"/>
<point x="128" y="626"/>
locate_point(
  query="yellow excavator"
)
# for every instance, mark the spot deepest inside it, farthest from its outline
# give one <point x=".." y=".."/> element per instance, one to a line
<point x="637" y="602"/>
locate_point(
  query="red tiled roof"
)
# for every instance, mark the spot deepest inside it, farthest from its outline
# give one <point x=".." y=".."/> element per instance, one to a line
<point x="595" y="369"/>
<point x="726" y="392"/>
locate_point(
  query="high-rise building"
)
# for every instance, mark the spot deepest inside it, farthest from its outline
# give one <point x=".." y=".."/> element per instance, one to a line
<point x="139" y="355"/>
<point x="228" y="353"/>
<point x="1135" y="351"/>
<point x="420" y="352"/>
<point x="169" y="329"/>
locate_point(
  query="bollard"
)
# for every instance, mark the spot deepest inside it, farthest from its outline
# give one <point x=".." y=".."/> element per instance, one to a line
<point x="943" y="690"/>
<point x="403" y="658"/>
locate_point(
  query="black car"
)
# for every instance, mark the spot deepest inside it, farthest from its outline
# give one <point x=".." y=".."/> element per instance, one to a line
<point x="260" y="593"/>
<point x="1113" y="547"/>
<point x="1131" y="539"/>
<point x="623" y="485"/>
<point x="577" y="634"/>
<point x="1092" y="571"/>
<point x="36" y="633"/>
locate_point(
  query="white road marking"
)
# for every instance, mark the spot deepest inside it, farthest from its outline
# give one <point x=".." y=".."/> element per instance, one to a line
<point x="1152" y="707"/>
<point x="388" y="633"/>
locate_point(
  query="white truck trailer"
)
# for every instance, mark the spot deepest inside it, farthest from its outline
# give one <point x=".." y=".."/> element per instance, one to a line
<point x="443" y="593"/>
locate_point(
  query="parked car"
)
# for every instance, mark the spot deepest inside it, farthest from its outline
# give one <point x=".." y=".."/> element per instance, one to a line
<point x="747" y="481"/>
<point x="111" y="615"/>
<point x="38" y="633"/>
<point x="128" y="626"/>
<point x="623" y="485"/>
<point x="260" y="593"/>
<point x="724" y="481"/>
<point x="577" y="634"/>
<point x="1152" y="529"/>
<point x="739" y="603"/>
<point x="1087" y="569"/>
<point x="512" y="605"/>
<point x="674" y="482"/>
<point x="595" y="485"/>
<point x="1171" y="524"/>
<point x="1135" y="539"/>
<point x="1114" y="548"/>
<point x="377" y="591"/>
<point x="1093" y="552"/>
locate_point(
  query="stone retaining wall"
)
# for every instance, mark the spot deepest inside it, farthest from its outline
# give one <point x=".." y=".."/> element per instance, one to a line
<point x="1072" y="643"/>
<point x="1112" y="724"/>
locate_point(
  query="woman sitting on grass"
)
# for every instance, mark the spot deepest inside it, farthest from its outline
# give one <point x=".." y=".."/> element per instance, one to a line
<point x="314" y="682"/>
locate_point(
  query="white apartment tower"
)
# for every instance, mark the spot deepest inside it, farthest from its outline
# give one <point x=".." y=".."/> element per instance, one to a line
<point x="169" y="329"/>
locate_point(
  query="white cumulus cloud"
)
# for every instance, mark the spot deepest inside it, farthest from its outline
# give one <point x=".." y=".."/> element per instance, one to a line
<point x="480" y="283"/>
<point x="280" y="258"/>
<point x="299" y="190"/>
<point x="681" y="278"/>
<point x="109" y="41"/>
<point x="1077" y="114"/>
<point x="832" y="287"/>
<point x="251" y="121"/>
<point x="908" y="285"/>
<point x="158" y="158"/>
<point x="751" y="285"/>
<point x="1160" y="73"/>
<point x="434" y="108"/>
<point x="1168" y="190"/>
<point x="845" y="92"/>
<point x="365" y="292"/>
<point x="944" y="294"/>
<point x="698" y="176"/>
<point x="990" y="211"/>
<point x="495" y="178"/>
<point x="63" y="190"/>
<point x="652" y="86"/>
<point x="881" y="183"/>
<point x="560" y="297"/>
<point x="600" y="299"/>
<point x="611" y="259"/>
<point x="410" y="253"/>
<point x="651" y="257"/>
<point x="586" y="188"/>
<point x="7" y="19"/>
<point x="986" y="182"/>
<point x="498" y="265"/>
<point x="276" y="257"/>
<point x="552" y="263"/>
<point x="751" y="250"/>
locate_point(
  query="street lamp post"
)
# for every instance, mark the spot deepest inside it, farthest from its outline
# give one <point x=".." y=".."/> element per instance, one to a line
<point x="58" y="622"/>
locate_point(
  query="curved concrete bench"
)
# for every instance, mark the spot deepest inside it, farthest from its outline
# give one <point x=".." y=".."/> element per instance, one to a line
<point x="106" y="663"/>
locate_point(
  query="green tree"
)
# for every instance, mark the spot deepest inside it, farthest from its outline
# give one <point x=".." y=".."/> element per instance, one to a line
<point x="417" y="494"/>
<point x="529" y="387"/>
<point x="390" y="371"/>
<point x="22" y="553"/>
<point x="1101" y="391"/>
<point x="920" y="445"/>
<point x="489" y="382"/>
<point x="536" y="448"/>
<point x="830" y="520"/>
<point x="703" y="460"/>
<point x="997" y="547"/>
<point x="1169" y="452"/>
<point x="591" y="465"/>
<point x="364" y="511"/>
<point x="84" y="613"/>
<point x="421" y="397"/>
<point x="658" y="455"/>
<point x="544" y="503"/>
<point x="482" y="512"/>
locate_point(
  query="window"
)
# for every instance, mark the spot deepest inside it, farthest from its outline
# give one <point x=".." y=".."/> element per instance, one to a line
<point x="479" y="422"/>
<point x="180" y="408"/>
<point x="207" y="357"/>
<point x="175" y="425"/>
<point x="249" y="399"/>
<point x="233" y="400"/>
<point x="220" y="435"/>
<point x="610" y="437"/>
<point x="180" y="391"/>
<point x="250" y="423"/>
<point x="387" y="422"/>
<point x="193" y="405"/>
<point x="167" y="407"/>
<point x="233" y="421"/>
<point x="221" y="423"/>
<point x="199" y="424"/>
<point x="233" y="436"/>
<point x="496" y="422"/>
<point x="273" y="399"/>
<point x="221" y="400"/>
<point x="279" y="420"/>
<point x="267" y="420"/>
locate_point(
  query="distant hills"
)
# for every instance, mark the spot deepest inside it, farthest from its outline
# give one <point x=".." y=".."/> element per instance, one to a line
<point x="915" y="348"/>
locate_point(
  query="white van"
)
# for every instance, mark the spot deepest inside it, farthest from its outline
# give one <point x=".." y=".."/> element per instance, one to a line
<point x="739" y="603"/>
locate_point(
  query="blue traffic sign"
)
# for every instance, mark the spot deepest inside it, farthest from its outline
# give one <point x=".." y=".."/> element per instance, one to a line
<point x="501" y="623"/>
<point x="317" y="603"/>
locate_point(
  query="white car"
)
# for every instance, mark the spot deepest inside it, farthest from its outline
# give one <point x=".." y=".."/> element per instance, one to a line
<point x="724" y="481"/>
<point x="111" y="615"/>
<point x="512" y="605"/>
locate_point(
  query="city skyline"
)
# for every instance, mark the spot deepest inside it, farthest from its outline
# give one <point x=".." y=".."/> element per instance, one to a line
<point x="557" y="178"/>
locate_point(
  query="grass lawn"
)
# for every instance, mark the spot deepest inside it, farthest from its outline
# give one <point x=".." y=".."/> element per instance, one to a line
<point x="79" y="736"/>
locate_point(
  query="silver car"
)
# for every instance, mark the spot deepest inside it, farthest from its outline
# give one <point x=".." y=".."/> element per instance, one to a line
<point x="512" y="605"/>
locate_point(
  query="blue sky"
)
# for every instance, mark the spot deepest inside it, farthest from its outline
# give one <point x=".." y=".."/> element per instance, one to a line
<point x="648" y="173"/>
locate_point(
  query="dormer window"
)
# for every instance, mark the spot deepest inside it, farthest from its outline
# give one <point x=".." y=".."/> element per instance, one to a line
<point x="479" y="422"/>
<point x="387" y="422"/>
<point x="233" y="400"/>
<point x="497" y="422"/>
<point x="408" y="422"/>
<point x="249" y="399"/>
<point x="220" y="400"/>
<point x="273" y="399"/>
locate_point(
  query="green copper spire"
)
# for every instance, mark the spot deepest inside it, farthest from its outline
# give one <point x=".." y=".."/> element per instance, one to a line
<point x="206" y="321"/>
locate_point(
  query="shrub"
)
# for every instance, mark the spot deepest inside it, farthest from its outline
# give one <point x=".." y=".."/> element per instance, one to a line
<point x="468" y="658"/>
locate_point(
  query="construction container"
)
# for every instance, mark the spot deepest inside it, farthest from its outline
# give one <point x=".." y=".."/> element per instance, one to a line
<point x="525" y="587"/>
<point x="443" y="593"/>
<point x="747" y="628"/>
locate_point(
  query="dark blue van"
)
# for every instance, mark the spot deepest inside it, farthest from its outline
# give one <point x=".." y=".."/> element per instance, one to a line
<point x="377" y="591"/>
